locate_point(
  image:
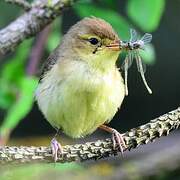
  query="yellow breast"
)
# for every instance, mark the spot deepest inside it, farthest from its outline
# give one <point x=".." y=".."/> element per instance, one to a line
<point x="80" y="102"/>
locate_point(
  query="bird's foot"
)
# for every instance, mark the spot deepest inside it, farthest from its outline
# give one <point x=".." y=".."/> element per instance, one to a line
<point x="56" y="146"/>
<point x="117" y="138"/>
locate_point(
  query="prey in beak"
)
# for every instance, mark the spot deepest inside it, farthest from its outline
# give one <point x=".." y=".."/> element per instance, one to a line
<point x="115" y="46"/>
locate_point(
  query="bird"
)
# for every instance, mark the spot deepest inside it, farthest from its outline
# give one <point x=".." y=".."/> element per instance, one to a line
<point x="80" y="87"/>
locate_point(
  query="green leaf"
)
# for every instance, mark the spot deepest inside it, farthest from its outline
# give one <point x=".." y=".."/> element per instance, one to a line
<point x="119" y="23"/>
<point x="15" y="66"/>
<point x="11" y="73"/>
<point x="148" y="55"/>
<point x="6" y="98"/>
<point x="146" y="13"/>
<point x="21" y="106"/>
<point x="110" y="4"/>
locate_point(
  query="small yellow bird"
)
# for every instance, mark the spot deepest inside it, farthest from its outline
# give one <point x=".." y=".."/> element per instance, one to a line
<point x="81" y="88"/>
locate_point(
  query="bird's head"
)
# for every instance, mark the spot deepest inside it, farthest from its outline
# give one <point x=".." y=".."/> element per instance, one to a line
<point x="93" y="40"/>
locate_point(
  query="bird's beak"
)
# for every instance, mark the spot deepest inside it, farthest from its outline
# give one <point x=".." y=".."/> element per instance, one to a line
<point x="115" y="46"/>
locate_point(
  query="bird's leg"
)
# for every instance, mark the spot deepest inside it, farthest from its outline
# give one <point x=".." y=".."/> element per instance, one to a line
<point x="56" y="146"/>
<point x="117" y="138"/>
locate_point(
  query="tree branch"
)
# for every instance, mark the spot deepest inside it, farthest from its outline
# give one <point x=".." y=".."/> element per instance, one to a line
<point x="41" y="13"/>
<point x="22" y="3"/>
<point x="37" y="52"/>
<point x="98" y="149"/>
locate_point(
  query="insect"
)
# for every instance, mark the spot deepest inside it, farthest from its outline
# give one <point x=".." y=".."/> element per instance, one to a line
<point x="132" y="47"/>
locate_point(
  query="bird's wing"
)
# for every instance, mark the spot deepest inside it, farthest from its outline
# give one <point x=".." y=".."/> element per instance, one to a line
<point x="48" y="64"/>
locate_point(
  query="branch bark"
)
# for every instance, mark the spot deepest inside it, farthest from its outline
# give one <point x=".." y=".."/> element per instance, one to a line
<point x="42" y="12"/>
<point x="95" y="150"/>
<point x="22" y="3"/>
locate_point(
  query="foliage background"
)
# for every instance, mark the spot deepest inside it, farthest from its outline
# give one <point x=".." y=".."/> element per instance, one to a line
<point x="19" y="115"/>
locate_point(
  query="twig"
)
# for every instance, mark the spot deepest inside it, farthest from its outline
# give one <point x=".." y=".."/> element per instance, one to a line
<point x="37" y="51"/>
<point x="98" y="149"/>
<point x="22" y="3"/>
<point x="31" y="22"/>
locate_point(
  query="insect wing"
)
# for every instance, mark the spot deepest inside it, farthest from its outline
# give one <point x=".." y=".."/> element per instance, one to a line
<point x="128" y="61"/>
<point x="125" y="67"/>
<point x="141" y="66"/>
<point x="146" y="38"/>
<point x="133" y="34"/>
<point x="141" y="71"/>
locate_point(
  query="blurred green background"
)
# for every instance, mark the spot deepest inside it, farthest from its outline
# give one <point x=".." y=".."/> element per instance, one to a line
<point x="20" y="118"/>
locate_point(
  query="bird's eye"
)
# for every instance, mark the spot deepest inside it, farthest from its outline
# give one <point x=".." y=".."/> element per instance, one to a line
<point x="93" y="41"/>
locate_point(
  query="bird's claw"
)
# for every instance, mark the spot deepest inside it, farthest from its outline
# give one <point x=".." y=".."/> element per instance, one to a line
<point x="118" y="140"/>
<point x="56" y="146"/>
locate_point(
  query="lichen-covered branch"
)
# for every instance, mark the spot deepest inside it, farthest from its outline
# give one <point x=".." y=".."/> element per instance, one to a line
<point x="98" y="149"/>
<point x="42" y="12"/>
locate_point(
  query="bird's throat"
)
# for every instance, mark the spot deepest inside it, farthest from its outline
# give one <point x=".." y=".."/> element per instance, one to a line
<point x="103" y="63"/>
